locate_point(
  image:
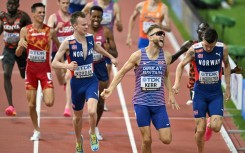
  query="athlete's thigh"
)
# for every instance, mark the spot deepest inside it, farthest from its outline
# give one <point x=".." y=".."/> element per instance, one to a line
<point x="77" y="93"/>
<point x="31" y="81"/>
<point x="9" y="56"/>
<point x="31" y="97"/>
<point x="92" y="90"/>
<point x="143" y="116"/>
<point x="145" y="132"/>
<point x="8" y="60"/>
<point x="48" y="96"/>
<point x="216" y="105"/>
<point x="200" y="106"/>
<point x="159" y="117"/>
<point x="46" y="79"/>
<point x="21" y="62"/>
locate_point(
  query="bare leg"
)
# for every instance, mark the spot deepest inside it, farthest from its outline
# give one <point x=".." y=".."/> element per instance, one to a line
<point x="165" y="135"/>
<point x="77" y="124"/>
<point x="92" y="108"/>
<point x="199" y="135"/>
<point x="101" y="102"/>
<point x="146" y="139"/>
<point x="31" y="98"/>
<point x="7" y="82"/>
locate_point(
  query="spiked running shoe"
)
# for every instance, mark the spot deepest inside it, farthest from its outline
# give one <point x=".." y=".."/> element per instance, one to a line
<point x="35" y="136"/>
<point x="79" y="146"/>
<point x="98" y="135"/>
<point x="94" y="142"/>
<point x="10" y="111"/>
<point x="67" y="112"/>
<point x="208" y="132"/>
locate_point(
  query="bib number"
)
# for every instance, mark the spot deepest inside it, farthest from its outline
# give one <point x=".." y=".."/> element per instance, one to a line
<point x="11" y="37"/>
<point x="146" y="26"/>
<point x="150" y="83"/>
<point x="107" y="18"/>
<point x="37" y="56"/>
<point x="84" y="71"/>
<point x="209" y="77"/>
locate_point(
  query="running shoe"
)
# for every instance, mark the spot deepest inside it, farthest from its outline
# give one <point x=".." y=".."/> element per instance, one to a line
<point x="35" y="136"/>
<point x="67" y="112"/>
<point x="105" y="108"/>
<point x="94" y="142"/>
<point x="208" y="132"/>
<point x="189" y="102"/>
<point x="98" y="135"/>
<point x="10" y="111"/>
<point x="79" y="146"/>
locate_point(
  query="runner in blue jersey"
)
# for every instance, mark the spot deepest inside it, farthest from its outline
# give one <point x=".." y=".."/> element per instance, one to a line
<point x="79" y="50"/>
<point x="207" y="93"/>
<point x="103" y="36"/>
<point x="151" y="67"/>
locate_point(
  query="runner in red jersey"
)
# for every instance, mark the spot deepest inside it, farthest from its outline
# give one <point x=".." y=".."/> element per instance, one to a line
<point x="10" y="24"/>
<point x="60" y="21"/>
<point x="36" y="38"/>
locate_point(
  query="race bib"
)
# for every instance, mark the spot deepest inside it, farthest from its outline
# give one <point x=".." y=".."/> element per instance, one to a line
<point x="146" y="26"/>
<point x="84" y="71"/>
<point x="107" y="18"/>
<point x="150" y="83"/>
<point x="97" y="56"/>
<point x="11" y="37"/>
<point x="208" y="77"/>
<point x="37" y="56"/>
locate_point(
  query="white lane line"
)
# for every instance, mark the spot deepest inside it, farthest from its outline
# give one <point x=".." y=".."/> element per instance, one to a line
<point x="125" y="113"/>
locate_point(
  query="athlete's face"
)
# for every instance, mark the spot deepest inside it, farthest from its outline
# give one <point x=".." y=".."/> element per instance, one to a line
<point x="81" y="26"/>
<point x="64" y="5"/>
<point x="157" y="37"/>
<point x="95" y="18"/>
<point x="201" y="28"/>
<point x="208" y="46"/>
<point x="12" y="6"/>
<point x="39" y="14"/>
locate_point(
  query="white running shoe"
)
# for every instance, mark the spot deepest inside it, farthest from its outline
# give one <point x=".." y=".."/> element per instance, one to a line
<point x="35" y="136"/>
<point x="189" y="102"/>
<point x="98" y="135"/>
<point x="105" y="108"/>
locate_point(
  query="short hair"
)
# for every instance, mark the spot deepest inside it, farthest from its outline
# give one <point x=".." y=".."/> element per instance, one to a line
<point x="153" y="26"/>
<point x="210" y="35"/>
<point x="201" y="26"/>
<point x="96" y="8"/>
<point x="35" y="5"/>
<point x="16" y="1"/>
<point x="75" y="15"/>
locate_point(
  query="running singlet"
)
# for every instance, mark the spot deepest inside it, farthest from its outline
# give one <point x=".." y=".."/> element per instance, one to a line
<point x="108" y="15"/>
<point x="38" y="47"/>
<point x="149" y="84"/>
<point x="99" y="39"/>
<point x="12" y="27"/>
<point x="147" y="18"/>
<point x="85" y="66"/>
<point x="65" y="31"/>
<point x="191" y="83"/>
<point x="208" y="68"/>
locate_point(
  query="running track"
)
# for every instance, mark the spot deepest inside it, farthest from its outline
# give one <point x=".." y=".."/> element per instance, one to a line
<point x="120" y="135"/>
